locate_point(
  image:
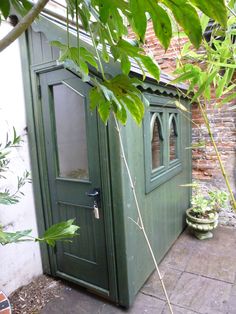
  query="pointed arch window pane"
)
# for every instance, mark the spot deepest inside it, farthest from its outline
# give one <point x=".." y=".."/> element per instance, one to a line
<point x="173" y="154"/>
<point x="157" y="144"/>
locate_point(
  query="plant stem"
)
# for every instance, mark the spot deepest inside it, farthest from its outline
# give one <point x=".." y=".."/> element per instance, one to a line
<point x="140" y="215"/>
<point x="232" y="11"/>
<point x="222" y="168"/>
<point x="22" y="26"/>
<point x="77" y="28"/>
<point x="97" y="53"/>
<point x="67" y="27"/>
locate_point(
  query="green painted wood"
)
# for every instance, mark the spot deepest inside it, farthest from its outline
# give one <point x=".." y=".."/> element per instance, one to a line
<point x="128" y="262"/>
<point x="45" y="218"/>
<point x="35" y="170"/>
<point x="163" y="208"/>
<point x="84" y="258"/>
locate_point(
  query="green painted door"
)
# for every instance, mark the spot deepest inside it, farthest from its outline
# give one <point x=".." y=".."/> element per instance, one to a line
<point x="71" y="141"/>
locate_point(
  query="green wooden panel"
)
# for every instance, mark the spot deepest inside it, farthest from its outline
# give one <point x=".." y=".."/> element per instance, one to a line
<point x="84" y="259"/>
<point x="129" y="265"/>
<point x="163" y="208"/>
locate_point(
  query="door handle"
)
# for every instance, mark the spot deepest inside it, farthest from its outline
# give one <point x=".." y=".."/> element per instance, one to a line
<point x="95" y="193"/>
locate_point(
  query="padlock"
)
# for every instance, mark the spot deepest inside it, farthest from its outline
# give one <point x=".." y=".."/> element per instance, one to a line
<point x="96" y="211"/>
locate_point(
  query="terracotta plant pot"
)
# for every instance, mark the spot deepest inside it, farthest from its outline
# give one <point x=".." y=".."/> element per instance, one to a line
<point x="201" y="227"/>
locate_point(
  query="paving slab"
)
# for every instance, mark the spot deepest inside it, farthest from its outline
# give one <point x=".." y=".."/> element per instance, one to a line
<point x="153" y="286"/>
<point x="180" y="253"/>
<point x="201" y="294"/>
<point x="213" y="265"/>
<point x="178" y="310"/>
<point x="76" y="301"/>
<point x="143" y="305"/>
<point x="223" y="242"/>
<point x="200" y="277"/>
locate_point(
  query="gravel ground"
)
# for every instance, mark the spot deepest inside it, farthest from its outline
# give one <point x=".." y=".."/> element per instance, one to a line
<point x="227" y="217"/>
<point x="32" y="298"/>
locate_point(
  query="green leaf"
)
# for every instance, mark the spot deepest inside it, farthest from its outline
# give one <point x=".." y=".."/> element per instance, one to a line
<point x="187" y="17"/>
<point x="138" y="9"/>
<point x="5" y="8"/>
<point x="84" y="17"/>
<point x="97" y="99"/>
<point x="222" y="84"/>
<point x="124" y="48"/>
<point x="117" y="95"/>
<point x="228" y="99"/>
<point x="184" y="77"/>
<point x="27" y="4"/>
<point x="151" y="66"/>
<point x="121" y="115"/>
<point x="223" y="65"/>
<point x="61" y="231"/>
<point x="20" y="6"/>
<point x="161" y="22"/>
<point x="77" y="58"/>
<point x="216" y="9"/>
<point x="125" y="64"/>
<point x="104" y="109"/>
<point x="203" y="87"/>
<point x="135" y="106"/>
<point x="112" y="13"/>
<point x="7" y="199"/>
<point x="14" y="237"/>
<point x="204" y="19"/>
<point x="94" y="97"/>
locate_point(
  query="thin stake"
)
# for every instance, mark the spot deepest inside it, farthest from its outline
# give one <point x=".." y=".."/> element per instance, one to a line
<point x="140" y="216"/>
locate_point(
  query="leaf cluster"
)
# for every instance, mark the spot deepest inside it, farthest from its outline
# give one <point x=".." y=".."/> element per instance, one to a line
<point x="21" y="6"/>
<point x="14" y="237"/>
<point x="109" y="23"/>
<point x="61" y="231"/>
<point x="211" y="69"/>
<point x="6" y="196"/>
<point x="205" y="203"/>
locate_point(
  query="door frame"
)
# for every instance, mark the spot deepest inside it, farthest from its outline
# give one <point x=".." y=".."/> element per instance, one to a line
<point x="40" y="175"/>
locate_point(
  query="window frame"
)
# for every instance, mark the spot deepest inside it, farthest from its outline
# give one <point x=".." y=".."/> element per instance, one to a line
<point x="170" y="168"/>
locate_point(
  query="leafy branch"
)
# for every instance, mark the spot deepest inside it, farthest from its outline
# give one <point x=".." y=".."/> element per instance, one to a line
<point x="209" y="73"/>
<point x="108" y="23"/>
<point x="63" y="231"/>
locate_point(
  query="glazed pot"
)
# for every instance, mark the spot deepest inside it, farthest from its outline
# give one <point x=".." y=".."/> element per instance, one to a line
<point x="201" y="227"/>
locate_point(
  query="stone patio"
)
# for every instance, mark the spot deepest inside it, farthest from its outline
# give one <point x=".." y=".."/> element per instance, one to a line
<point x="200" y="277"/>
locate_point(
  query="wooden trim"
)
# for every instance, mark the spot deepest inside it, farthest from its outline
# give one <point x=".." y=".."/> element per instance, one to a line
<point x="41" y="188"/>
<point x="169" y="169"/>
<point x="34" y="158"/>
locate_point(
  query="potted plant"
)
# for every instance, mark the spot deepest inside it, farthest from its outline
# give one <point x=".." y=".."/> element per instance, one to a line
<point x="202" y="217"/>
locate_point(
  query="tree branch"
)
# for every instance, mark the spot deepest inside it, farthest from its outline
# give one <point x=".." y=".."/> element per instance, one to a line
<point x="22" y="26"/>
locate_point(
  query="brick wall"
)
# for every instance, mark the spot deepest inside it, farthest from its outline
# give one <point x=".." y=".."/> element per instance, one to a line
<point x="223" y="122"/>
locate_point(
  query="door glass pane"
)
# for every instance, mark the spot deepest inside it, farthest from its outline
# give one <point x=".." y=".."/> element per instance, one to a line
<point x="70" y="133"/>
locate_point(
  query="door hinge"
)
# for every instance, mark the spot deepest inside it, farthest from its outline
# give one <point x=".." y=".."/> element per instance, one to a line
<point x="39" y="91"/>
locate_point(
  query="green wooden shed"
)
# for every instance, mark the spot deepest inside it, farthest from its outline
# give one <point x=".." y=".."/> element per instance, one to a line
<point x="74" y="154"/>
